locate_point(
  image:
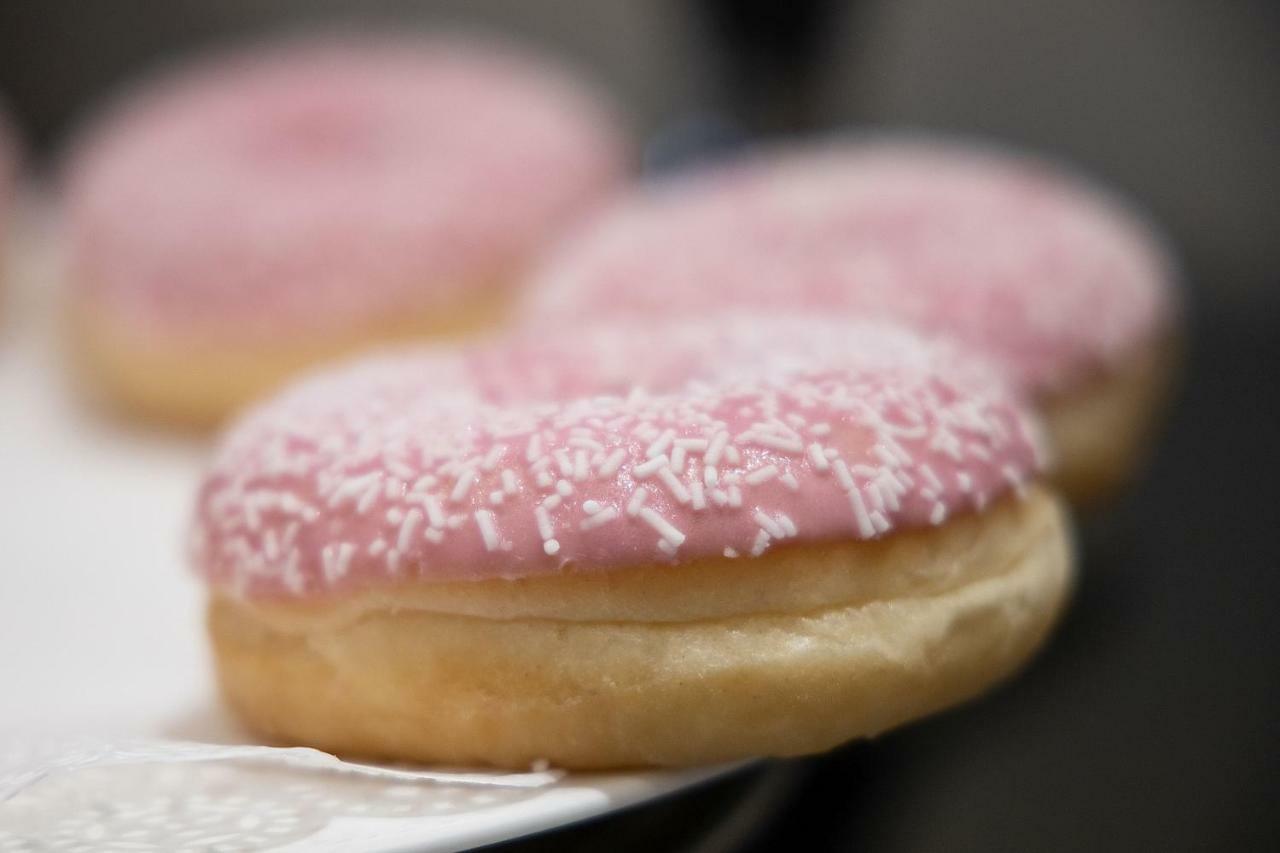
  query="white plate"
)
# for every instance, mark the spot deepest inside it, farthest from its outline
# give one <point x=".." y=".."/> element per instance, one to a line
<point x="100" y="633"/>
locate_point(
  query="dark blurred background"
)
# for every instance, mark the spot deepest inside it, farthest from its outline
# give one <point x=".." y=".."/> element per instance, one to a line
<point x="1153" y="721"/>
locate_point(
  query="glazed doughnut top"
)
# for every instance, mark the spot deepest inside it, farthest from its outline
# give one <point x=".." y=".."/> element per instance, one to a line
<point x="1046" y="276"/>
<point x="603" y="450"/>
<point x="319" y="182"/>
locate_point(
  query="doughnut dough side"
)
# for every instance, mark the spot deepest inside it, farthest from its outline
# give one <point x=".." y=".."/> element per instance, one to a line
<point x="192" y="383"/>
<point x="793" y="652"/>
<point x="1101" y="430"/>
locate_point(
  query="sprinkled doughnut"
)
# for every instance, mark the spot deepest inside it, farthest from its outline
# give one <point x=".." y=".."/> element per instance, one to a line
<point x="784" y="535"/>
<point x="258" y="212"/>
<point x="1047" y="276"/>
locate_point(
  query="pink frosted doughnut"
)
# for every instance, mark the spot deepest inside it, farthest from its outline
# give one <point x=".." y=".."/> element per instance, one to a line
<point x="256" y="212"/>
<point x="1049" y="277"/>
<point x="786" y="467"/>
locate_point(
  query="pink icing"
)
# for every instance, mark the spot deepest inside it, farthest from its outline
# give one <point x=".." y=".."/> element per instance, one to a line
<point x="323" y="182"/>
<point x="609" y="449"/>
<point x="1046" y="276"/>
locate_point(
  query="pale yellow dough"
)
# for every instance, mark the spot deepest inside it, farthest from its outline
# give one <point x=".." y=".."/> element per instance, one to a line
<point x="195" y="383"/>
<point x="1101" y="432"/>
<point x="793" y="652"/>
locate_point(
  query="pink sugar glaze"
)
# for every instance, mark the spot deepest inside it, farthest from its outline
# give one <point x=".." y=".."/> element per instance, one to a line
<point x="1050" y="279"/>
<point x="608" y="449"/>
<point x="323" y="182"/>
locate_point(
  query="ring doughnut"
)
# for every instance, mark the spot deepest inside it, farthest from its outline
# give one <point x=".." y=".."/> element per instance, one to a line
<point x="259" y="212"/>
<point x="801" y="533"/>
<point x="1045" y="275"/>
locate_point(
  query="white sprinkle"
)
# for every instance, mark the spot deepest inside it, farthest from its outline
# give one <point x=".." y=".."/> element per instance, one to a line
<point x="788" y="524"/>
<point x="768" y="524"/>
<point x="637" y="500"/>
<point x="789" y="480"/>
<point x="368" y="499"/>
<point x="350" y="488"/>
<point x="580" y="469"/>
<point x="666" y="547"/>
<point x="395" y="515"/>
<point x="719" y="497"/>
<point x="534" y="448"/>
<point x="815" y="456"/>
<point x="463" y="485"/>
<point x="665" y="529"/>
<point x="677" y="460"/>
<point x="551" y="546"/>
<point x="886" y="487"/>
<point x="699" y="497"/>
<point x="697" y="445"/>
<point x="965" y="481"/>
<point x="820" y="429"/>
<point x="592" y="507"/>
<point x="393" y="561"/>
<point x="710" y="476"/>
<point x="552" y="501"/>
<point x="565" y="463"/>
<point x="865" y="528"/>
<point x="410" y="525"/>
<point x="660" y="445"/>
<point x="509" y="484"/>
<point x="715" y="448"/>
<point x="435" y="515"/>
<point x="545" y="530"/>
<point x="880" y="523"/>
<point x="610" y="465"/>
<point x="735" y="496"/>
<point x="433" y="534"/>
<point x="336" y="560"/>
<point x="760" y="544"/>
<point x="564" y="487"/>
<point x="731" y="454"/>
<point x="603" y="516"/>
<point x="585" y="443"/>
<point x="730" y="553"/>
<point x="674" y="485"/>
<point x="456" y="521"/>
<point x="877" y="496"/>
<point x="497" y="496"/>
<point x="843" y="476"/>
<point x="545" y="479"/>
<point x="778" y="442"/>
<point x="650" y="467"/>
<point x="939" y="513"/>
<point x="423" y="483"/>
<point x="884" y="455"/>
<point x="488" y="532"/>
<point x="761" y="475"/>
<point x="401" y="470"/>
<point x="931" y="478"/>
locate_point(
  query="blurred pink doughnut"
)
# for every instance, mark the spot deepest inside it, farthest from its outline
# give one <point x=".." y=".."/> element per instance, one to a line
<point x="254" y="213"/>
<point x="1050" y="278"/>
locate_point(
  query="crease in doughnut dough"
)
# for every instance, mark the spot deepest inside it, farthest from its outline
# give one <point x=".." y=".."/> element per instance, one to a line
<point x="185" y="381"/>
<point x="790" y="653"/>
<point x="1102" y="429"/>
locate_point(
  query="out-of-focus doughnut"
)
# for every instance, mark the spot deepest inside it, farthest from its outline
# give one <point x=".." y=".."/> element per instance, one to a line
<point x="1049" y="277"/>
<point x="258" y="212"/>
